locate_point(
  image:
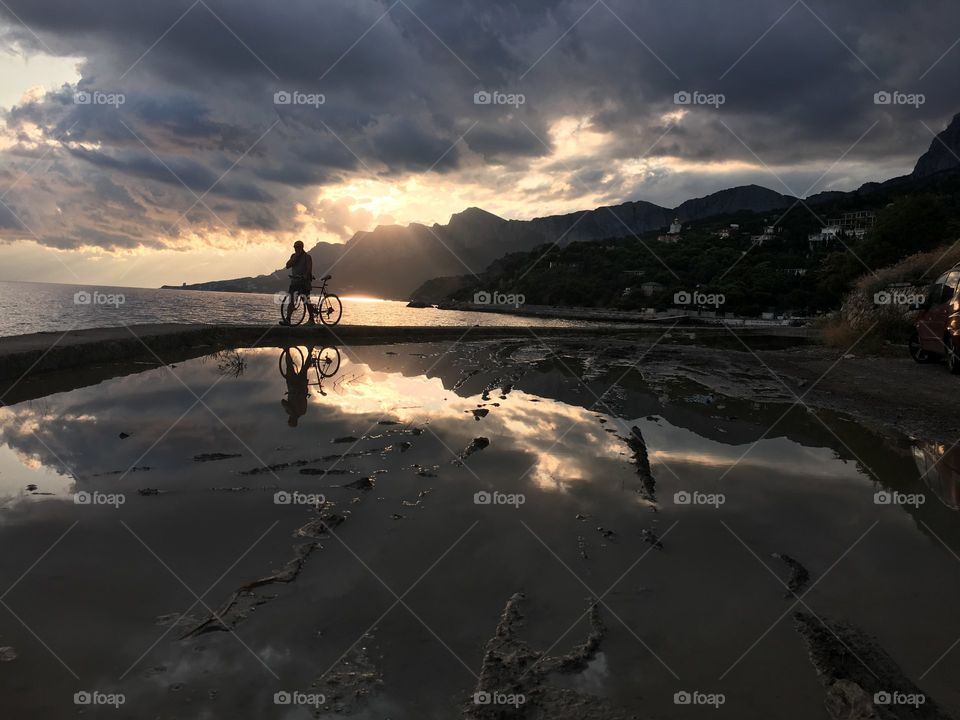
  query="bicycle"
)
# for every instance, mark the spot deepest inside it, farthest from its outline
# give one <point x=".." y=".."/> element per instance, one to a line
<point x="326" y="361"/>
<point x="328" y="306"/>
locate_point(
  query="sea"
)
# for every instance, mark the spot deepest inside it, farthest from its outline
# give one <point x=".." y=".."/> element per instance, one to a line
<point x="29" y="307"/>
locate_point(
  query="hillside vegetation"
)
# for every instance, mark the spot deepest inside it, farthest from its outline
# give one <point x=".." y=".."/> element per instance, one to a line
<point x="783" y="275"/>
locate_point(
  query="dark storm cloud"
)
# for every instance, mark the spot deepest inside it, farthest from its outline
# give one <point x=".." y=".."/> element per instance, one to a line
<point x="193" y="175"/>
<point x="8" y="218"/>
<point x="257" y="218"/>
<point x="398" y="89"/>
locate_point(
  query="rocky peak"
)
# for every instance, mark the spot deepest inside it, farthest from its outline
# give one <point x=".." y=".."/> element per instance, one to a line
<point x="944" y="152"/>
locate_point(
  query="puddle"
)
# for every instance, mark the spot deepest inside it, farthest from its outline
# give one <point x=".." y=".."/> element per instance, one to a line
<point x="402" y="531"/>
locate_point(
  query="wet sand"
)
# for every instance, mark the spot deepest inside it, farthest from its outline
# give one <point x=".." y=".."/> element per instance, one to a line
<point x="540" y="550"/>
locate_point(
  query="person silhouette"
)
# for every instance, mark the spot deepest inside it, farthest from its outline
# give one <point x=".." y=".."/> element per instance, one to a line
<point x="300" y="265"/>
<point x="297" y="387"/>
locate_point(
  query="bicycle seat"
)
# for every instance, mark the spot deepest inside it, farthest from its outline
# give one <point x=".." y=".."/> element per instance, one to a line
<point x="326" y="277"/>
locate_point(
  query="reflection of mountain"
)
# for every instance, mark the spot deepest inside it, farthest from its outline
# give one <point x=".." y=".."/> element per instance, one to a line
<point x="939" y="468"/>
<point x="393" y="260"/>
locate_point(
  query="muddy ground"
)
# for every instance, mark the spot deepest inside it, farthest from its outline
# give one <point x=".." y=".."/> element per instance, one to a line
<point x="887" y="393"/>
<point x="652" y="416"/>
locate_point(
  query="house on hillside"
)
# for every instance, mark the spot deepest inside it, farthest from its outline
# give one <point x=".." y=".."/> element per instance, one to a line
<point x="854" y="224"/>
<point x="828" y="235"/>
<point x="675" y="227"/>
<point x="769" y="233"/>
<point x="728" y="232"/>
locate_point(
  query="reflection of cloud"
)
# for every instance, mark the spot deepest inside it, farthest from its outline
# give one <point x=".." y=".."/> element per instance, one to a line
<point x="24" y="460"/>
<point x="561" y="444"/>
<point x="18" y="469"/>
<point x="183" y="665"/>
<point x="594" y="677"/>
<point x="534" y="428"/>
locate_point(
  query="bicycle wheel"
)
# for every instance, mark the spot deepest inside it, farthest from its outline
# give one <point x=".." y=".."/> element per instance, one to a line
<point x="328" y="361"/>
<point x="291" y="361"/>
<point x="299" y="309"/>
<point x="330" y="309"/>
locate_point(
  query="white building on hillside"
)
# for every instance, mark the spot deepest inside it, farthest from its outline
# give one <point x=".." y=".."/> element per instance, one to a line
<point x="828" y="235"/>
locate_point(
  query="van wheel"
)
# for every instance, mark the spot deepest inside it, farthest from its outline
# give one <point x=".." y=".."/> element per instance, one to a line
<point x="953" y="358"/>
<point x="916" y="352"/>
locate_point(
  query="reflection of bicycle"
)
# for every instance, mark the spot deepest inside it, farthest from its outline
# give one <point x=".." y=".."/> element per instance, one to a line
<point x="328" y="306"/>
<point x="294" y="362"/>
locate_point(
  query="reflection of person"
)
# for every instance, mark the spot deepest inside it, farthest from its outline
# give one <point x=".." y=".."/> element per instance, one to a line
<point x="297" y="392"/>
<point x="300" y="265"/>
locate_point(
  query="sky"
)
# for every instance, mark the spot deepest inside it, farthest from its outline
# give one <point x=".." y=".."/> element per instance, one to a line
<point x="170" y="141"/>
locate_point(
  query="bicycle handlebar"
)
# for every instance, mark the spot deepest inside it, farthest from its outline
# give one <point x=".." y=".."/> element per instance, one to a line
<point x="297" y="277"/>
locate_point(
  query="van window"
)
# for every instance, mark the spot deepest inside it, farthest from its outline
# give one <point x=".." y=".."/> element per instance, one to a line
<point x="939" y="292"/>
<point x="935" y="291"/>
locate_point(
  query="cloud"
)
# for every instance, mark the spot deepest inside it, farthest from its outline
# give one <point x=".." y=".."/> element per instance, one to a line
<point x="398" y="82"/>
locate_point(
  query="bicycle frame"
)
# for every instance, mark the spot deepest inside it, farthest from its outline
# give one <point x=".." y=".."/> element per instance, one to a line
<point x="329" y="315"/>
<point x="323" y="291"/>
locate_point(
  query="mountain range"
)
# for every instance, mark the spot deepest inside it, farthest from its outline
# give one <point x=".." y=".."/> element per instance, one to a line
<point x="391" y="261"/>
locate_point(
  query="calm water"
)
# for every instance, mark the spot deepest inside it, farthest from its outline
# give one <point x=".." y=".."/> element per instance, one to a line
<point x="38" y="307"/>
<point x="113" y="605"/>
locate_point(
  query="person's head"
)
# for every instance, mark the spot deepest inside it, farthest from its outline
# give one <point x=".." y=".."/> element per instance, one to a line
<point x="298" y="246"/>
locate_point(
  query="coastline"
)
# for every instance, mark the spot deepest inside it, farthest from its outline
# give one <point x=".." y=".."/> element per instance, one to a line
<point x="558" y="312"/>
<point x="43" y="352"/>
<point x="46" y="351"/>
